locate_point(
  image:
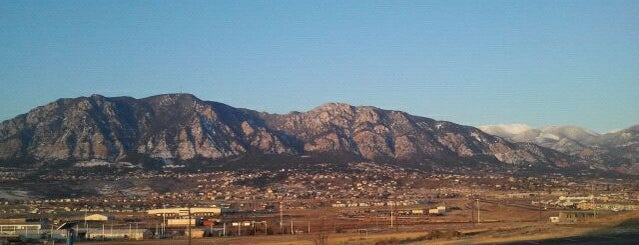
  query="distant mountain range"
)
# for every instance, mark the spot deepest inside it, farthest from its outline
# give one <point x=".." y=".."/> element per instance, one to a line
<point x="618" y="150"/>
<point x="170" y="128"/>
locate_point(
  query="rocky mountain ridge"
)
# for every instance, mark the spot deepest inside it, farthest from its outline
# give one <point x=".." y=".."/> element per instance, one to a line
<point x="181" y="127"/>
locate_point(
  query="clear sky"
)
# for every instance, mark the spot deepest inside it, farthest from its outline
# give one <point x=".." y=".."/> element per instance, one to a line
<point x="470" y="62"/>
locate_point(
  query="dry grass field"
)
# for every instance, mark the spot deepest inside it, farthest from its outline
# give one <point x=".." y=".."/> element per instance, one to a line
<point x="508" y="225"/>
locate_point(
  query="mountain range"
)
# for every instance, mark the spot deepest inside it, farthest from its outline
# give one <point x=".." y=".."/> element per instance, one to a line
<point x="618" y="150"/>
<point x="172" y="128"/>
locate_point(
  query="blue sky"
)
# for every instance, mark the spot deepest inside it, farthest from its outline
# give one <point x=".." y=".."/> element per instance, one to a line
<point x="470" y="62"/>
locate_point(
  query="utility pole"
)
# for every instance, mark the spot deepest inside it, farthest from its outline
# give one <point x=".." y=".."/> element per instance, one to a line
<point x="594" y="205"/>
<point x="539" y="200"/>
<point x="86" y="226"/>
<point x="391" y="214"/>
<point x="163" y="219"/>
<point x="190" y="234"/>
<point x="472" y="208"/>
<point x="478" y="210"/>
<point x="281" y="218"/>
<point x="472" y="212"/>
<point x="292" y="232"/>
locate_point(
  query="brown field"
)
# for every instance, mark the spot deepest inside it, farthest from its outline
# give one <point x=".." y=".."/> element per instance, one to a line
<point x="501" y="222"/>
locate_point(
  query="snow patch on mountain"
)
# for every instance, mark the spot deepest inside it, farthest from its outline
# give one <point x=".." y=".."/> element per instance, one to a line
<point x="549" y="136"/>
<point x="505" y="129"/>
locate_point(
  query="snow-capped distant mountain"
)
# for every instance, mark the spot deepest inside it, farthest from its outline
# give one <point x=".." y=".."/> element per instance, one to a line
<point x="505" y="130"/>
<point x="618" y="149"/>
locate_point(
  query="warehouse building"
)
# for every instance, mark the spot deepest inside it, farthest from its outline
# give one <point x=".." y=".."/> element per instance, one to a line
<point x="183" y="212"/>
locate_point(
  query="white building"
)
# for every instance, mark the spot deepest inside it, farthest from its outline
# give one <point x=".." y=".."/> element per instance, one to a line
<point x="440" y="210"/>
<point x="96" y="217"/>
<point x="182" y="212"/>
<point x="181" y="222"/>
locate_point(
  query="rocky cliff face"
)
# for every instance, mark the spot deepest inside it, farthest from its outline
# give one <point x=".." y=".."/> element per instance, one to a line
<point x="182" y="127"/>
<point x="380" y="134"/>
<point x="168" y="126"/>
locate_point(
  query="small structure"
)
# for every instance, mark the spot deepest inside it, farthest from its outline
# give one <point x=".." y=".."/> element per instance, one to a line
<point x="20" y="228"/>
<point x="195" y="233"/>
<point x="96" y="217"/>
<point x="575" y="216"/>
<point x="440" y="210"/>
<point x="338" y="205"/>
<point x="181" y="222"/>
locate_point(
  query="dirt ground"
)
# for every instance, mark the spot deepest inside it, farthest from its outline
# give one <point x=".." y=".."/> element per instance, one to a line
<point x="500" y="224"/>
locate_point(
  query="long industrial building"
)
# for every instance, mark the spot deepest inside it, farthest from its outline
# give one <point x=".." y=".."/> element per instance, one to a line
<point x="184" y="212"/>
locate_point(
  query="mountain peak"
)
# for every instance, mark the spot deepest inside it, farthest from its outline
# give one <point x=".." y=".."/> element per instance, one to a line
<point x="505" y="129"/>
<point x="571" y="131"/>
<point x="333" y="106"/>
<point x="97" y="96"/>
<point x="175" y="96"/>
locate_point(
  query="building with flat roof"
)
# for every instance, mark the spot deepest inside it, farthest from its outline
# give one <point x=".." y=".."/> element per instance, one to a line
<point x="576" y="216"/>
<point x="183" y="212"/>
<point x="96" y="217"/>
<point x="20" y="229"/>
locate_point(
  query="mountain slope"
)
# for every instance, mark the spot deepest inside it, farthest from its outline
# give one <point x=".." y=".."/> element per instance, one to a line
<point x="567" y="139"/>
<point x="168" y="126"/>
<point x="618" y="150"/>
<point x="181" y="127"/>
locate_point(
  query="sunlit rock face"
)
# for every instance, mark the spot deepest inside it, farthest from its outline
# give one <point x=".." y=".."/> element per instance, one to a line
<point x="182" y="127"/>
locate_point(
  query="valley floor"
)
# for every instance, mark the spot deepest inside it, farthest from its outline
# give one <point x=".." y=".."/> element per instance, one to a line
<point x="612" y="229"/>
